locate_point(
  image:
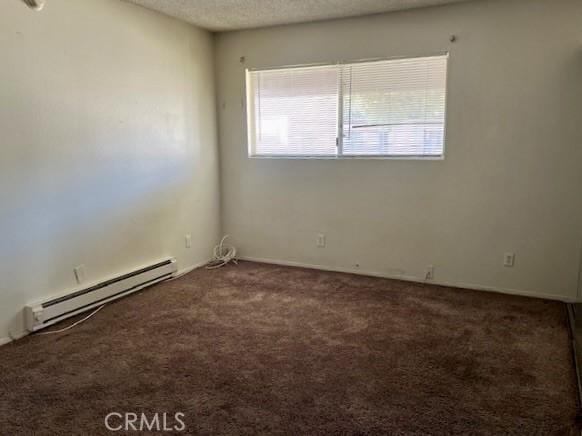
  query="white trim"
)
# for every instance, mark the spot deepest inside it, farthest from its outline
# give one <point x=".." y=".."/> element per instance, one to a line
<point x="249" y="108"/>
<point x="437" y="54"/>
<point x="419" y="157"/>
<point x="339" y="141"/>
<point x="579" y="294"/>
<point x="415" y="279"/>
<point x="189" y="269"/>
<point x="251" y="124"/>
<point x="13" y="338"/>
<point x="447" y="103"/>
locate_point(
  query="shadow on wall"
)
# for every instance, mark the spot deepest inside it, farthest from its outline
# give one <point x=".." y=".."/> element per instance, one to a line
<point x="108" y="152"/>
<point x="101" y="215"/>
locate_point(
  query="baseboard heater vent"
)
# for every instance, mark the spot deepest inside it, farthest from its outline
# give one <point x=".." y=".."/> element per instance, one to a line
<point x="48" y="312"/>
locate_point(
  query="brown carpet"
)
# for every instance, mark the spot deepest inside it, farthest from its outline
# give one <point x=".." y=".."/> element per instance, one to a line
<point x="259" y="349"/>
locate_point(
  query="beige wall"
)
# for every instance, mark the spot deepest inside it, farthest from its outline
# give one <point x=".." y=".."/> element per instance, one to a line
<point x="108" y="152"/>
<point x="511" y="180"/>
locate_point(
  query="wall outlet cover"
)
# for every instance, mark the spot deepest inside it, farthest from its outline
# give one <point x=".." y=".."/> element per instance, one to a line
<point x="509" y="259"/>
<point x="80" y="274"/>
<point x="429" y="272"/>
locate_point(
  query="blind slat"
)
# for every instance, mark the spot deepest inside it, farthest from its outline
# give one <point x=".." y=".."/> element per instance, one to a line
<point x="295" y="111"/>
<point x="390" y="108"/>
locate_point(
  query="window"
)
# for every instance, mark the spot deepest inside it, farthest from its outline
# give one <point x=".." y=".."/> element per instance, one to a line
<point x="390" y="108"/>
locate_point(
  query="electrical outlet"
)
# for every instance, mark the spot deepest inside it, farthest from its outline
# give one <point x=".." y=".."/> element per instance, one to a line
<point x="79" y="274"/>
<point x="320" y="240"/>
<point x="429" y="273"/>
<point x="188" y="241"/>
<point x="509" y="259"/>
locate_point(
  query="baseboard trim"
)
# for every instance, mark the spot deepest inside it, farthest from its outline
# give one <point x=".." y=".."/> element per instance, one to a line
<point x="574" y="351"/>
<point x="15" y="337"/>
<point x="414" y="279"/>
<point x="189" y="269"/>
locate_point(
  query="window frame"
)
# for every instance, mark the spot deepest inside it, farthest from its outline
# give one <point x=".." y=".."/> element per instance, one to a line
<point x="250" y="123"/>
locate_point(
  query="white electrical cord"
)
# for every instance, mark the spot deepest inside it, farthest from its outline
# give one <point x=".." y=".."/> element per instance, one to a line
<point x="74" y="324"/>
<point x="223" y="255"/>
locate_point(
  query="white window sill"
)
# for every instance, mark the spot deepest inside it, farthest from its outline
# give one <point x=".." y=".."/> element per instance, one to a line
<point x="347" y="157"/>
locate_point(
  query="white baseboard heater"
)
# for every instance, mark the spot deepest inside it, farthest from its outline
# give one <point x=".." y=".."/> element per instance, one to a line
<point x="50" y="311"/>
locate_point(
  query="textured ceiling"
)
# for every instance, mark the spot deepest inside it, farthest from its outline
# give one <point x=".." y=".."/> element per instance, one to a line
<point x="221" y="15"/>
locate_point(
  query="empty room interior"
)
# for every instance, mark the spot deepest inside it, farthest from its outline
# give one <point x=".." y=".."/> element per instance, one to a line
<point x="275" y="217"/>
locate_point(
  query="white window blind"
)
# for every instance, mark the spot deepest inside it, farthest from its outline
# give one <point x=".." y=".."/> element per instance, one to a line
<point x="391" y="108"/>
<point x="294" y="111"/>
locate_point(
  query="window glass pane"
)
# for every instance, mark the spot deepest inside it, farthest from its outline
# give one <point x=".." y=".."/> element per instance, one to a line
<point x="295" y="111"/>
<point x="394" y="107"/>
<point x="388" y="108"/>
